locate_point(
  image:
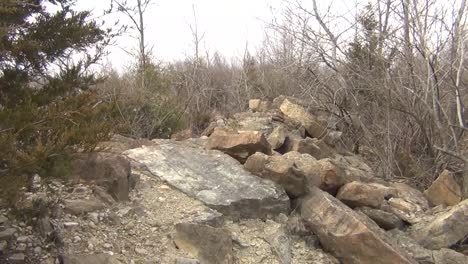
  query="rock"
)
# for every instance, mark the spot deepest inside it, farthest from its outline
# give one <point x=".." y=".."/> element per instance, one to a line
<point x="257" y="105"/>
<point x="239" y="145"/>
<point x="444" y="229"/>
<point x="296" y="172"/>
<point x="214" y="178"/>
<point x="355" y="194"/>
<point x="3" y="246"/>
<point x="7" y="234"/>
<point x="79" y="207"/>
<point x="277" y="137"/>
<point x="299" y="114"/>
<point x="3" y="220"/>
<point x="301" y="145"/>
<point x="280" y="245"/>
<point x="103" y="195"/>
<point x="44" y="226"/>
<point x="323" y="174"/>
<point x="182" y="135"/>
<point x="383" y="219"/>
<point x="209" y="217"/>
<point x="354" y="168"/>
<point x="105" y="169"/>
<point x="18" y="258"/>
<point x="278" y="169"/>
<point x="186" y="261"/>
<point x="90" y="259"/>
<point x="408" y="204"/>
<point x="427" y="256"/>
<point x="444" y="190"/>
<point x="209" y="245"/>
<point x="346" y="234"/>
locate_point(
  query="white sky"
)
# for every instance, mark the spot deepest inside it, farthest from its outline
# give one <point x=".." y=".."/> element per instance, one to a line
<point x="228" y="25"/>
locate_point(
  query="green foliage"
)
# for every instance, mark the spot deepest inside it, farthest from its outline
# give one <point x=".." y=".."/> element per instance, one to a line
<point x="47" y="110"/>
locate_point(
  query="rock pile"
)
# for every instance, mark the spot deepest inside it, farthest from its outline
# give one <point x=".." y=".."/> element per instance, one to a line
<point x="271" y="185"/>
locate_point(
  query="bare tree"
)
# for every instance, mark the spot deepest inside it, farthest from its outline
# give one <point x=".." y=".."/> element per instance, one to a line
<point x="136" y="14"/>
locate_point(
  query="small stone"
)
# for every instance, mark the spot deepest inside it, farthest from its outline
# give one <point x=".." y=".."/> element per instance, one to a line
<point x="3" y="246"/>
<point x="186" y="261"/>
<point x="7" y="234"/>
<point x="3" y="220"/>
<point x="164" y="187"/>
<point x="37" y="250"/>
<point x="107" y="246"/>
<point x="22" y="239"/>
<point x="94" y="217"/>
<point x="17" y="258"/>
<point x="161" y="199"/>
<point x="77" y="239"/>
<point x="140" y="251"/>
<point x="21" y="247"/>
<point x="90" y="246"/>
<point x="70" y="224"/>
<point x="80" y="189"/>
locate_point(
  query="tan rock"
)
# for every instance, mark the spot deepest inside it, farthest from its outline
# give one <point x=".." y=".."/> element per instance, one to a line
<point x="301" y="145"/>
<point x="444" y="229"/>
<point x="182" y="135"/>
<point x="239" y="145"/>
<point x="296" y="112"/>
<point x="444" y="190"/>
<point x="409" y="204"/>
<point x="79" y="207"/>
<point x="385" y="220"/>
<point x="280" y="170"/>
<point x="348" y="235"/>
<point x="357" y="194"/>
<point x="258" y="105"/>
<point x="208" y="244"/>
<point x="354" y="168"/>
<point x="277" y="137"/>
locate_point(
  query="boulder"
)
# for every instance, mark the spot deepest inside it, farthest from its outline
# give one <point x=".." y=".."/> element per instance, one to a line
<point x="82" y="206"/>
<point x="383" y="219"/>
<point x="298" y="113"/>
<point x="296" y="172"/>
<point x="348" y="235"/>
<point x="408" y="204"/>
<point x="278" y="169"/>
<point x="354" y="168"/>
<point x="214" y="178"/>
<point x="208" y="244"/>
<point x="301" y="145"/>
<point x="444" y="229"/>
<point x="239" y="145"/>
<point x="277" y="137"/>
<point x="355" y="194"/>
<point x="109" y="170"/>
<point x="444" y="190"/>
<point x="427" y="256"/>
<point x="257" y="105"/>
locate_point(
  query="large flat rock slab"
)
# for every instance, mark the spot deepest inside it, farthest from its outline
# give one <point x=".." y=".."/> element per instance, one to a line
<point x="214" y="178"/>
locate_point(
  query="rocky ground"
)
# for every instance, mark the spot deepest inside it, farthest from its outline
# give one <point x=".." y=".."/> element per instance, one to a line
<point x="272" y="185"/>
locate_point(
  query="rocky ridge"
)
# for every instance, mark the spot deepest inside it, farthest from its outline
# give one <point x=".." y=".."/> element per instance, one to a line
<point x="271" y="185"/>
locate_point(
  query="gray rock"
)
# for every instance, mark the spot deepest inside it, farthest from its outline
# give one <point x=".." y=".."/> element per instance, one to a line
<point x="383" y="219"/>
<point x="3" y="246"/>
<point x="3" y="220"/>
<point x="209" y="245"/>
<point x="186" y="261"/>
<point x="280" y="245"/>
<point x="18" y="258"/>
<point x="427" y="256"/>
<point x="444" y="229"/>
<point x="213" y="178"/>
<point x="105" y="169"/>
<point x="90" y="259"/>
<point x="79" y="207"/>
<point x="7" y="234"/>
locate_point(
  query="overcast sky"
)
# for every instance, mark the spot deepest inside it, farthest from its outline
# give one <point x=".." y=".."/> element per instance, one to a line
<point x="227" y="24"/>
